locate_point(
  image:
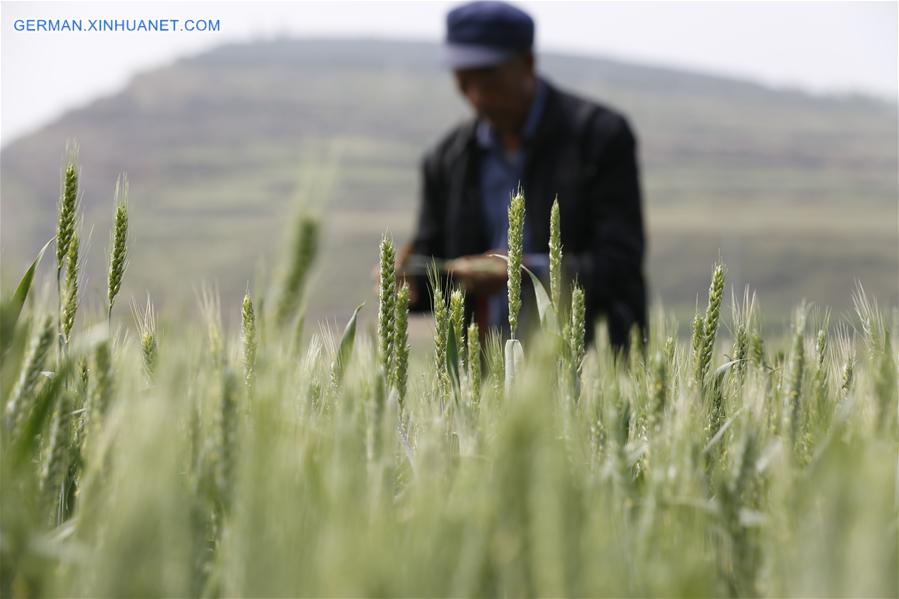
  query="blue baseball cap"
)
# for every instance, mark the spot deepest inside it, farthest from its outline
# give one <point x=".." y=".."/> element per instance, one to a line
<point x="484" y="34"/>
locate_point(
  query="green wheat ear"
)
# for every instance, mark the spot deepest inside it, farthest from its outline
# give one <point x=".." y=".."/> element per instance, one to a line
<point x="846" y="377"/>
<point x="516" y="251"/>
<point x="248" y="325"/>
<point x="457" y="318"/>
<point x="659" y="386"/>
<point x="104" y="386"/>
<point x="226" y="453"/>
<point x="146" y="326"/>
<point x="793" y="399"/>
<point x="65" y="231"/>
<point x="710" y="324"/>
<point x="119" y="249"/>
<point x="401" y="344"/>
<point x="71" y="304"/>
<point x="577" y="331"/>
<point x="386" y="308"/>
<point x="441" y="331"/>
<point x="696" y="335"/>
<point x="68" y="206"/>
<point x="54" y="469"/>
<point x="473" y="361"/>
<point x="555" y="257"/>
<point x="302" y="259"/>
<point x="19" y="404"/>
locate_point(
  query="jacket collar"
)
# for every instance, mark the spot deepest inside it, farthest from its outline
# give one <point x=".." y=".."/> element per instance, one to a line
<point x="548" y="125"/>
<point x="545" y="128"/>
<point x="486" y="136"/>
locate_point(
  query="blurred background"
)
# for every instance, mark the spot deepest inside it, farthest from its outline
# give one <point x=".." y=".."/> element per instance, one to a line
<point x="767" y="135"/>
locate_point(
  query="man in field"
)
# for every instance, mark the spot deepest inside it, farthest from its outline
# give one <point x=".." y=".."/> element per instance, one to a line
<point x="527" y="131"/>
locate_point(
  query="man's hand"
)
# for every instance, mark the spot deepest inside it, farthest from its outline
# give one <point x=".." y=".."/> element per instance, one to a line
<point x="481" y="274"/>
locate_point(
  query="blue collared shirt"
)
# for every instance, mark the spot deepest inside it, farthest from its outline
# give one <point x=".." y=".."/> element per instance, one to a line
<point x="501" y="174"/>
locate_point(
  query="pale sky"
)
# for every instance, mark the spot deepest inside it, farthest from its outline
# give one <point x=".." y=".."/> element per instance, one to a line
<point x="818" y="46"/>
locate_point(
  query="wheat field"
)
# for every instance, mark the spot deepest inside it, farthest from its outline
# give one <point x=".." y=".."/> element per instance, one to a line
<point x="282" y="458"/>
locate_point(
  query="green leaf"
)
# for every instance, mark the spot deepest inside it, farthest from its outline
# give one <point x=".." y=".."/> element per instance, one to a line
<point x="346" y="344"/>
<point x="715" y="440"/>
<point x="722" y="370"/>
<point x="27" y="443"/>
<point x="544" y="304"/>
<point x="12" y="308"/>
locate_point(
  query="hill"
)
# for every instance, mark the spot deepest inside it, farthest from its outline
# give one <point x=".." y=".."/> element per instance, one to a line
<point x="797" y="192"/>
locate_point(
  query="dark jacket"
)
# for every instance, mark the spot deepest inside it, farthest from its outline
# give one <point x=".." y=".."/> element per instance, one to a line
<point x="584" y="153"/>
